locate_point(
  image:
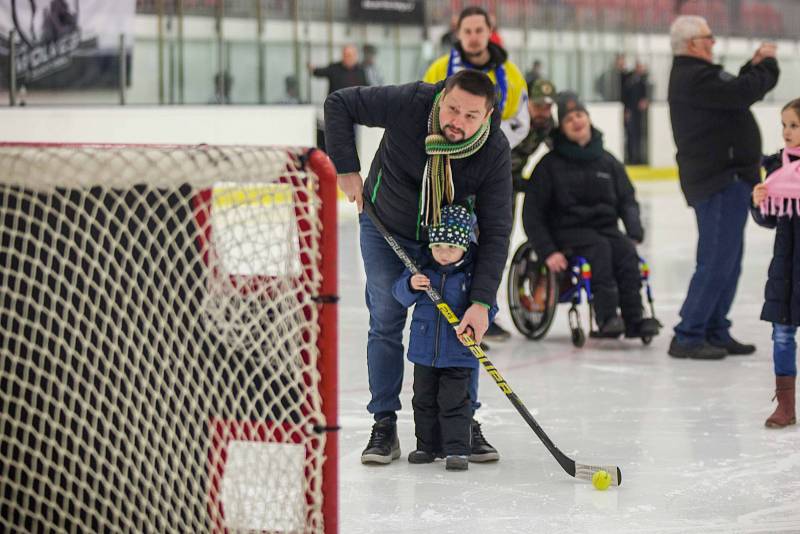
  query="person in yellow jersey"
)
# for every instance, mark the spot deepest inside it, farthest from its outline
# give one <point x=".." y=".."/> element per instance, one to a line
<point x="473" y="50"/>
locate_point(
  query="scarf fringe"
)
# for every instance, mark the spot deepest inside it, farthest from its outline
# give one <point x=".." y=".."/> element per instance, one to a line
<point x="780" y="206"/>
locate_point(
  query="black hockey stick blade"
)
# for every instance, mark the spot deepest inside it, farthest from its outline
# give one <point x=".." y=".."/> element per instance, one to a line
<point x="581" y="471"/>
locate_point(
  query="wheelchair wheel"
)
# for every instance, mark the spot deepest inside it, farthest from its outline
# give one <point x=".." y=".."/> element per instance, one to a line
<point x="532" y="293"/>
<point x="578" y="337"/>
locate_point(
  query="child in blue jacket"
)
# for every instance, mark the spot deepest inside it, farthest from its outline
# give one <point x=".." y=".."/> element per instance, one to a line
<point x="442" y="365"/>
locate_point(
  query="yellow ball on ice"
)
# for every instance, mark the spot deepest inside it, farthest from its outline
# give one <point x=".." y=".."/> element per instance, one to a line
<point x="601" y="480"/>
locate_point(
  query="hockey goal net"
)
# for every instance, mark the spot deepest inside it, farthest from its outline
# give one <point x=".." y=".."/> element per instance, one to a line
<point x="167" y="339"/>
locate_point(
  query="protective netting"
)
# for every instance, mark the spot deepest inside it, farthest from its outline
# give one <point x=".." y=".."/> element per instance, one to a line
<point x="159" y="349"/>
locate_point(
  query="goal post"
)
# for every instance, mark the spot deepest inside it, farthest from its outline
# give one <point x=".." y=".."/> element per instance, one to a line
<point x="168" y="347"/>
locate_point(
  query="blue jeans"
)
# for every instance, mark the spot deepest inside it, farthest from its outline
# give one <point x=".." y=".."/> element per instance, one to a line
<point x="387" y="318"/>
<point x="784" y="349"/>
<point x="720" y="244"/>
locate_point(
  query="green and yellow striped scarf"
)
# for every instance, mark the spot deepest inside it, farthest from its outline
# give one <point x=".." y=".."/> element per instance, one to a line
<point x="437" y="183"/>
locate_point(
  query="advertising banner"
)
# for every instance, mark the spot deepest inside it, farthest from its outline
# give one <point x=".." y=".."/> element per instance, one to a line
<point x="66" y="44"/>
<point x="388" y="11"/>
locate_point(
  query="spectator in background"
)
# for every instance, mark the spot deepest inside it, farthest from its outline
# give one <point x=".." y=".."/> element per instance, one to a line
<point x="344" y="73"/>
<point x="223" y="81"/>
<point x="475" y="51"/>
<point x="574" y="202"/>
<point x="719" y="153"/>
<point x="450" y="37"/>
<point x="534" y="74"/>
<point x="292" y="90"/>
<point x="495" y="35"/>
<point x="636" y="99"/>
<point x="374" y="75"/>
<point x="782" y="306"/>
<point x="609" y="84"/>
<point x="540" y="107"/>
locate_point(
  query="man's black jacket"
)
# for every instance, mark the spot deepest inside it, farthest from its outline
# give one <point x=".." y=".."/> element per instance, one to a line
<point x="716" y="134"/>
<point x="576" y="192"/>
<point x="395" y="178"/>
<point x="340" y="76"/>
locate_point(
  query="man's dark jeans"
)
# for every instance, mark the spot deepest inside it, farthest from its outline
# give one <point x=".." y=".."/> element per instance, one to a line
<point x="720" y="244"/>
<point x="387" y="318"/>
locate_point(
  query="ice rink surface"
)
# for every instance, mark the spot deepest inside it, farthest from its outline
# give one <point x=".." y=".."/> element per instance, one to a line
<point x="689" y="436"/>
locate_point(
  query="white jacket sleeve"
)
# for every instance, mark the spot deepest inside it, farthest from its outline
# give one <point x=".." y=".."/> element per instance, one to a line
<point x="517" y="127"/>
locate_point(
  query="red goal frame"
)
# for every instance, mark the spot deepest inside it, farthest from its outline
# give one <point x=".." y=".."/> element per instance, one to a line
<point x="317" y="162"/>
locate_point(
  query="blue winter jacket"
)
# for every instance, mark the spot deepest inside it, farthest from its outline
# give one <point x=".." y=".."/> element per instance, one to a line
<point x="782" y="292"/>
<point x="433" y="341"/>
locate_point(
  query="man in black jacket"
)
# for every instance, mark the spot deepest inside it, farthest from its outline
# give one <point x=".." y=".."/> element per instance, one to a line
<point x="451" y="122"/>
<point x="345" y="73"/>
<point x="719" y="150"/>
<point x="636" y="100"/>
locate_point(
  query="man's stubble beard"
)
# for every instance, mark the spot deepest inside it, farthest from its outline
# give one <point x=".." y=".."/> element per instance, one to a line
<point x="448" y="129"/>
<point x="473" y="55"/>
<point x="540" y="124"/>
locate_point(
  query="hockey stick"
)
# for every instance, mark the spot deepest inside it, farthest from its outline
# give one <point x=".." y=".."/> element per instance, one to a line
<point x="581" y="471"/>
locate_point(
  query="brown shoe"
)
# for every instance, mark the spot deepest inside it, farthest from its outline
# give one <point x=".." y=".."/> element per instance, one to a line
<point x="784" y="414"/>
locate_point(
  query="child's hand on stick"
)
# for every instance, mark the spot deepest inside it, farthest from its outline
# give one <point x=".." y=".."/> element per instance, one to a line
<point x="420" y="282"/>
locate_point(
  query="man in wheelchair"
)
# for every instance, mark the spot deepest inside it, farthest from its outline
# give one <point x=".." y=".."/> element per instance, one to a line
<point x="575" y="198"/>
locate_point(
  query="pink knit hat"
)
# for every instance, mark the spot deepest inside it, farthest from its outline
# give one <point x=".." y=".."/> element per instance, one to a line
<point x="783" y="187"/>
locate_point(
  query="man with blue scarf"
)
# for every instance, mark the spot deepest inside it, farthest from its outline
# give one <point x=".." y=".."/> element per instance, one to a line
<point x="473" y="50"/>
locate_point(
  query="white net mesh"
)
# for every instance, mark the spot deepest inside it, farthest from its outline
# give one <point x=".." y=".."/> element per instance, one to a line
<point x="159" y="349"/>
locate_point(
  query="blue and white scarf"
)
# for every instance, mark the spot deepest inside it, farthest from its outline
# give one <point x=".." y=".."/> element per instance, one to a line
<point x="456" y="63"/>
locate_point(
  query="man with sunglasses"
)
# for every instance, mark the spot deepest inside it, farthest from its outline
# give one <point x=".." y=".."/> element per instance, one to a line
<point x="719" y="152"/>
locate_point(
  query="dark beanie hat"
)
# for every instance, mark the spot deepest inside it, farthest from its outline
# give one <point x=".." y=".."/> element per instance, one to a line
<point x="454" y="228"/>
<point x="567" y="103"/>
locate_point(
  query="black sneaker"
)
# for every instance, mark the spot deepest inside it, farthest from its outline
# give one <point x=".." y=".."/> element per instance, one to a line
<point x="383" y="446"/>
<point x="613" y="327"/>
<point x="421" y="457"/>
<point x="496" y="333"/>
<point x="700" y="351"/>
<point x="482" y="451"/>
<point x="734" y="348"/>
<point x="456" y="462"/>
<point x="647" y="327"/>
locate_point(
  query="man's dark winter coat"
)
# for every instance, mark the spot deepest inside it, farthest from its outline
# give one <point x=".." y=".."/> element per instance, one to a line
<point x="395" y="178"/>
<point x="574" y="193"/>
<point x="340" y="76"/>
<point x="717" y="136"/>
<point x="782" y="292"/>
